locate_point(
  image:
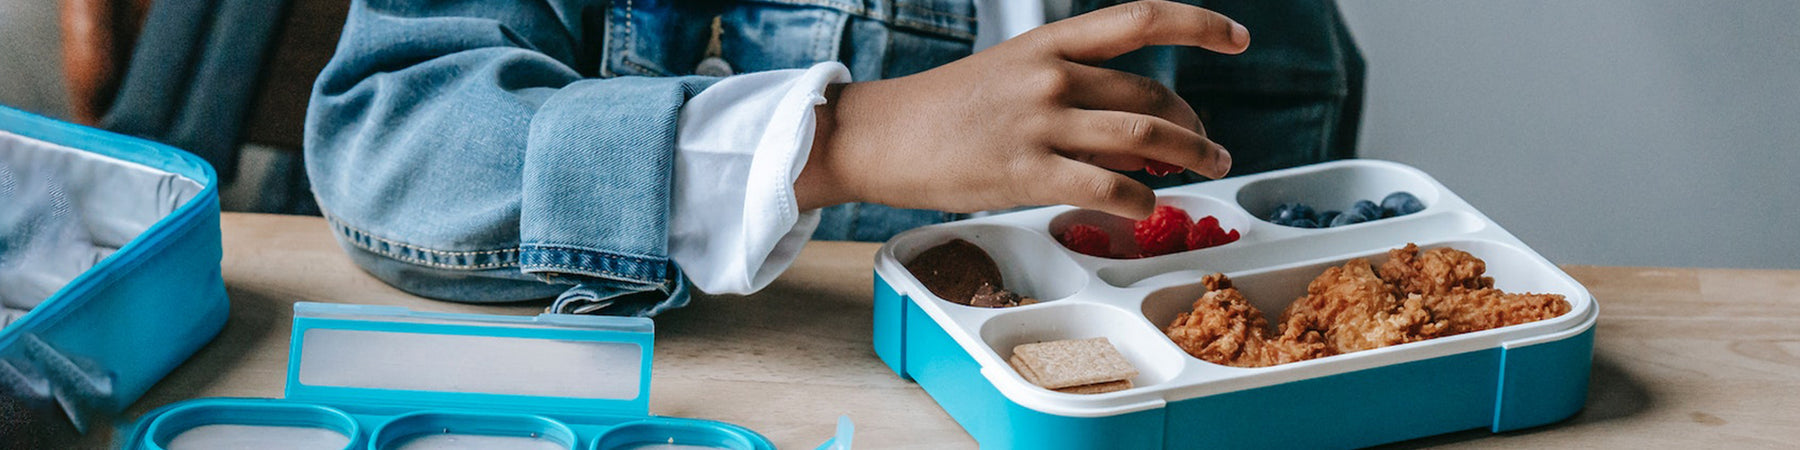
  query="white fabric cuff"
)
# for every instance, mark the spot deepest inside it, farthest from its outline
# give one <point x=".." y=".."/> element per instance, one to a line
<point x="735" y="223"/>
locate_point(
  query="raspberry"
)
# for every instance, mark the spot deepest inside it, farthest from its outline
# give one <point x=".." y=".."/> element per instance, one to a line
<point x="1087" y="240"/>
<point x="1208" y="233"/>
<point x="1164" y="232"/>
<point x="1159" y="168"/>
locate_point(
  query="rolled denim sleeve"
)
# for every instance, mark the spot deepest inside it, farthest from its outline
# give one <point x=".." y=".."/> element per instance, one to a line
<point x="464" y="151"/>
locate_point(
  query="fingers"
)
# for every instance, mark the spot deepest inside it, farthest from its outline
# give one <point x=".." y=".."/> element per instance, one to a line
<point x="1108" y="89"/>
<point x="1102" y="35"/>
<point x="1094" y="188"/>
<point x="1117" y="133"/>
<point x="1123" y="163"/>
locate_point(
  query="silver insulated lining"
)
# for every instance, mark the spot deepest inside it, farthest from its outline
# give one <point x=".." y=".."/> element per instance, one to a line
<point x="63" y="210"/>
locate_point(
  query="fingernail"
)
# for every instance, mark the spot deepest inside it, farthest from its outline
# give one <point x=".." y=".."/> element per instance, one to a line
<point x="1239" y="34"/>
<point x="1222" y="163"/>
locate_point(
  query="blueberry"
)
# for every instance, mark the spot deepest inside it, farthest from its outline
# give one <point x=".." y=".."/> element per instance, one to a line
<point x="1367" y="209"/>
<point x="1400" y="203"/>
<point x="1304" y="212"/>
<point x="1287" y="213"/>
<point x="1280" y="214"/>
<point x="1329" y="216"/>
<point x="1292" y="214"/>
<point x="1348" y="219"/>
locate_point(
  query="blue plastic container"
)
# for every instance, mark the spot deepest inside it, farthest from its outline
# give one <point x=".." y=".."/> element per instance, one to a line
<point x="109" y="267"/>
<point x="386" y="378"/>
<point x="1501" y="379"/>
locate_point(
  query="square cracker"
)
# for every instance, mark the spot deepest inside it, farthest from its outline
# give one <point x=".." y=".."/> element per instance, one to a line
<point x="1097" y="388"/>
<point x="1024" y="370"/>
<point x="1072" y="362"/>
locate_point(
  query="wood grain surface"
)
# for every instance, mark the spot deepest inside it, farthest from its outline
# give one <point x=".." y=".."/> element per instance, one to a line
<point x="1685" y="358"/>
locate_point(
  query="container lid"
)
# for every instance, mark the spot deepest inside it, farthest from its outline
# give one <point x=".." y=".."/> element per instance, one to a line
<point x="393" y="357"/>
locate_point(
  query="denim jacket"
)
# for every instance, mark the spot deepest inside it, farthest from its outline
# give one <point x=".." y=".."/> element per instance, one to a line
<point x="491" y="151"/>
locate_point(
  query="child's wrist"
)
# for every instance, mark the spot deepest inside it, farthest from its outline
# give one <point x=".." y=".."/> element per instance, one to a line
<point x="819" y="184"/>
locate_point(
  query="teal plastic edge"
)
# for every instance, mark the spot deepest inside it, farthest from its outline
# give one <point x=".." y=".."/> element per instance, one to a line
<point x="588" y="431"/>
<point x="1543" y="383"/>
<point x="412" y="425"/>
<point x="654" y="430"/>
<point x="309" y="316"/>
<point x="890" y="326"/>
<point x="1505" y="389"/>
<point x="188" y="415"/>
<point x="1348" y="410"/>
<point x="107" y="143"/>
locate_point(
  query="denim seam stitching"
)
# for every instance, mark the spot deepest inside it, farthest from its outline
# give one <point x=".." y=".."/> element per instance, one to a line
<point x="931" y="12"/>
<point x="628" y="46"/>
<point x="959" y="34"/>
<point x="857" y="10"/>
<point x="587" y="270"/>
<point x="596" y="271"/>
<point x="896" y="20"/>
<point x="639" y="258"/>
<point x="372" y="236"/>
<point x="820" y="33"/>
<point x="606" y="47"/>
<point x="356" y="237"/>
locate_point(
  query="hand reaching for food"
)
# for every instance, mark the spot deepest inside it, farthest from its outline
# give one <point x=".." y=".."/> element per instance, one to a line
<point x="1031" y="121"/>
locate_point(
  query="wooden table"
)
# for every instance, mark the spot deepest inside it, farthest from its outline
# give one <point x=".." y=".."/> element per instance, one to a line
<point x="1684" y="358"/>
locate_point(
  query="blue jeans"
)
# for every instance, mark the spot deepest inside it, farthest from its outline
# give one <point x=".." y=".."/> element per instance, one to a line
<point x="502" y="151"/>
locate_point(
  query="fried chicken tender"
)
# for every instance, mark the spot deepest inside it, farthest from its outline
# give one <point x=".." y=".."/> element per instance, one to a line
<point x="1467" y="311"/>
<point x="1416" y="296"/>
<point x="1355" y="310"/>
<point x="1435" y="271"/>
<point x="1225" y="329"/>
<point x="1455" y="291"/>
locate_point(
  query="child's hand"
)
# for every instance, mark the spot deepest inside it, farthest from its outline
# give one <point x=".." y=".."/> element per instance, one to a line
<point x="1030" y="121"/>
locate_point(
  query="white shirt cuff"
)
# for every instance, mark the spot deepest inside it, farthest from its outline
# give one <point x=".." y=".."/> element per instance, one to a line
<point x="740" y="144"/>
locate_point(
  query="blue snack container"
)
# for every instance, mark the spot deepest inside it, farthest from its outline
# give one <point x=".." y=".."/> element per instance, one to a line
<point x="1500" y="379"/>
<point x="109" y="268"/>
<point x="387" y="378"/>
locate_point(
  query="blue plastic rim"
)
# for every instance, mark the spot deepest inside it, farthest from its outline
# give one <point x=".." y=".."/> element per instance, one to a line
<point x="405" y="428"/>
<point x="186" y="417"/>
<point x="650" y="433"/>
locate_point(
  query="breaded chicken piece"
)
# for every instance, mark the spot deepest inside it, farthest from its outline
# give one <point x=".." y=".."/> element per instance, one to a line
<point x="1474" y="310"/>
<point x="1434" y="271"/>
<point x="1417" y="296"/>
<point x="1455" y="290"/>
<point x="1355" y="310"/>
<point x="1224" y="328"/>
<point x="1295" y="344"/>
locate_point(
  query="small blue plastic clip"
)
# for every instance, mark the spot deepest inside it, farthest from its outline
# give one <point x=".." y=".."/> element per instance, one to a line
<point x="845" y="430"/>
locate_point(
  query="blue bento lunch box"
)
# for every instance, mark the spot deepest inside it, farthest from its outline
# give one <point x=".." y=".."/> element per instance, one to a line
<point x="387" y="378"/>
<point x="1500" y="379"/>
<point x="109" y="268"/>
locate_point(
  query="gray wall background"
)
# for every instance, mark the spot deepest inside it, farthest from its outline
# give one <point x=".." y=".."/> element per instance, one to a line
<point x="1614" y="132"/>
<point x="31" y="57"/>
